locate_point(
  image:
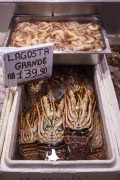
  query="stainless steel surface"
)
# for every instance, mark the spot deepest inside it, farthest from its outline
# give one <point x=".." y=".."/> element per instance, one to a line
<point x="58" y="8"/>
<point x="76" y="9"/>
<point x="41" y="8"/>
<point x="110" y="12"/>
<point x="84" y="59"/>
<point x="67" y="57"/>
<point x="6" y="12"/>
<point x="114" y="39"/>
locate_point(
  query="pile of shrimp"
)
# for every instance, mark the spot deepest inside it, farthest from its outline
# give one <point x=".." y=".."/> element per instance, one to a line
<point x="65" y="36"/>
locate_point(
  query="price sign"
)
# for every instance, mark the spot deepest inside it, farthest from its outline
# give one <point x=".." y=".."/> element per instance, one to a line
<point x="26" y="64"/>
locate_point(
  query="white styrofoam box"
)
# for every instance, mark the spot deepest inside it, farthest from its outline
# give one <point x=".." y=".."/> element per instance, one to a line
<point x="112" y="100"/>
<point x="4" y="116"/>
<point x="72" y="170"/>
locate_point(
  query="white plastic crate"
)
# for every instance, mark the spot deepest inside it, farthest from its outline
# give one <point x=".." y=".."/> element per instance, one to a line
<point x="112" y="100"/>
<point x="6" y="99"/>
<point x="72" y="170"/>
<point x="6" y="108"/>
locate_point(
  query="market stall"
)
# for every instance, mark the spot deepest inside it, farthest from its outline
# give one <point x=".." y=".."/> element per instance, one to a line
<point x="67" y="125"/>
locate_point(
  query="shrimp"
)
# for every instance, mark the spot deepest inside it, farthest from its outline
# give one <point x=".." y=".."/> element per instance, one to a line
<point x="66" y="36"/>
<point x="76" y="43"/>
<point x="56" y="25"/>
<point x="97" y="36"/>
<point x="23" y="24"/>
<point x="43" y="25"/>
<point x="19" y="38"/>
<point x="58" y="34"/>
<point x="82" y="39"/>
<point x="49" y="39"/>
<point x="34" y="41"/>
<point x="71" y="36"/>
<point x="87" y="46"/>
<point x="78" y="48"/>
<point x="28" y="29"/>
<point x="93" y="27"/>
<point x="42" y="36"/>
<point x="90" y="40"/>
<point x="72" y="23"/>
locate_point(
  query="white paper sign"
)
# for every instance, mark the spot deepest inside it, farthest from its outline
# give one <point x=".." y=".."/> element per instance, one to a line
<point x="28" y="63"/>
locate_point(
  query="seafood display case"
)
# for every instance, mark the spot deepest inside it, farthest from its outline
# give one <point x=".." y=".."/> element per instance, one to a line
<point x="68" y="124"/>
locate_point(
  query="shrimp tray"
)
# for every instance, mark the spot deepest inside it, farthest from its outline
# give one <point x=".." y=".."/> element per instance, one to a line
<point x="75" y="39"/>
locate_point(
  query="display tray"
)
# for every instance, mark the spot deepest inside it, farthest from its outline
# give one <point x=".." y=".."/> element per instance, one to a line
<point x="66" y="57"/>
<point x="114" y="65"/>
<point x="13" y="157"/>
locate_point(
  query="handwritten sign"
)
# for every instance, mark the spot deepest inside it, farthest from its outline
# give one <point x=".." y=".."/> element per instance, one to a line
<point x="26" y="64"/>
